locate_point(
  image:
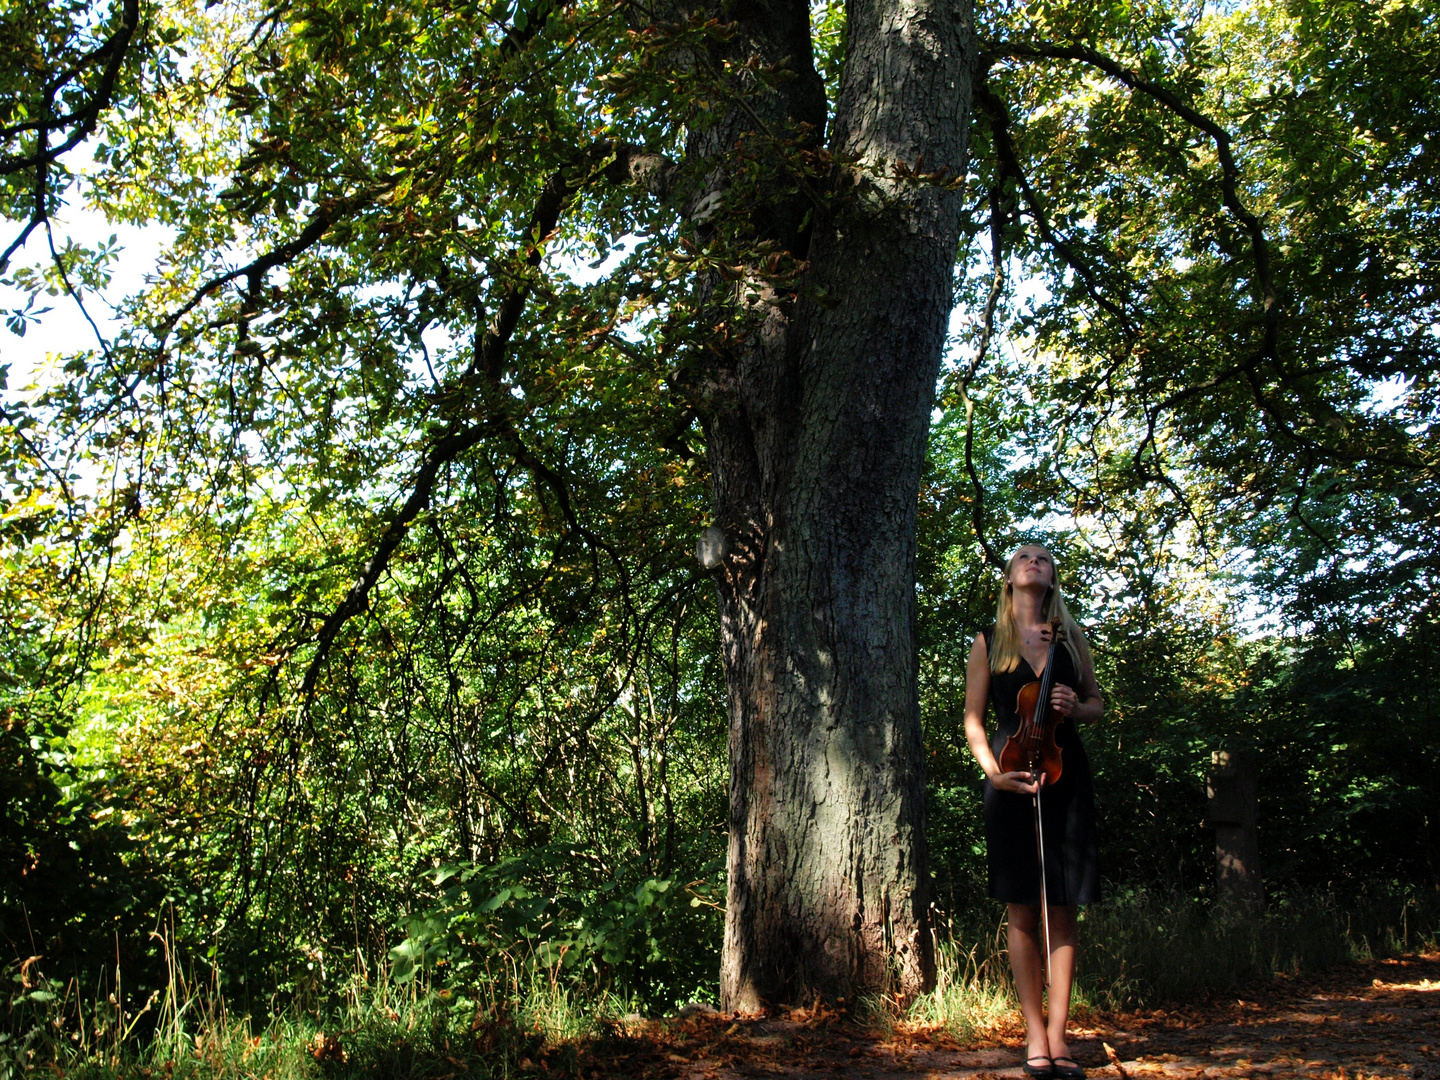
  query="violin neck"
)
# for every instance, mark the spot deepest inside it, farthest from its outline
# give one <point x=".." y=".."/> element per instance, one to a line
<point x="1047" y="683"/>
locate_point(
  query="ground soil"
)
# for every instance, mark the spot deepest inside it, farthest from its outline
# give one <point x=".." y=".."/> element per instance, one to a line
<point x="1361" y="1021"/>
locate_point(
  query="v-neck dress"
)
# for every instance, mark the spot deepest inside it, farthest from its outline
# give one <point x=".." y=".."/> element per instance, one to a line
<point x="1072" y="858"/>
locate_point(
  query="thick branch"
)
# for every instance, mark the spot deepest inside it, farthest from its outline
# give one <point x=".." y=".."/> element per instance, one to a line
<point x="83" y="120"/>
<point x="1229" y="170"/>
<point x="1009" y="160"/>
<point x="655" y="173"/>
<point x="652" y="171"/>
<point x="489" y="362"/>
<point x="254" y="272"/>
<point x="1002" y="212"/>
<point x="1230" y="188"/>
<point x="450" y="446"/>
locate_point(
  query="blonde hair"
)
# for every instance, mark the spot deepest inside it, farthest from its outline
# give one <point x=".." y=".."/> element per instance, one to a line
<point x="1005" y="644"/>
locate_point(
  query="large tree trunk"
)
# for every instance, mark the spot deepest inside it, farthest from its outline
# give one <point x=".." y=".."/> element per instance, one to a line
<point x="816" y="427"/>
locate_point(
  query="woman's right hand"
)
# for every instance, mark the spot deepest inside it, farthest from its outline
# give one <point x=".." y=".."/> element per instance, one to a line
<point x="1019" y="782"/>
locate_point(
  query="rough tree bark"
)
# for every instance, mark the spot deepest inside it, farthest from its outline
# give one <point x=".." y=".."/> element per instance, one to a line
<point x="816" y="416"/>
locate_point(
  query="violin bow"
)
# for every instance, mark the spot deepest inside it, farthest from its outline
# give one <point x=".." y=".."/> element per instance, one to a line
<point x="1042" y="703"/>
<point x="1044" y="900"/>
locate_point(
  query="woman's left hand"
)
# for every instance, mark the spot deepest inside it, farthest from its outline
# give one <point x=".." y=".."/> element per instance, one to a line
<point x="1063" y="699"/>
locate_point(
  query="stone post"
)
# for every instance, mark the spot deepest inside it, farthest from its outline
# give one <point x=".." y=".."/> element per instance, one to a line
<point x="1233" y="790"/>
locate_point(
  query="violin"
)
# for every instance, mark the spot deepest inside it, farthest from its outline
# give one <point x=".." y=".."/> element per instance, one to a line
<point x="1033" y="748"/>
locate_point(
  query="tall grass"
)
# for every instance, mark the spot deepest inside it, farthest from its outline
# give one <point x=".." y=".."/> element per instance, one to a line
<point x="972" y="989"/>
<point x="1145" y="948"/>
<point x="379" y="1030"/>
<point x="1139" y="948"/>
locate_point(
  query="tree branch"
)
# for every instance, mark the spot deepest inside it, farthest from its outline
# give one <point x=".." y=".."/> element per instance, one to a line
<point x="1009" y="159"/>
<point x="1002" y="212"/>
<point x="84" y="120"/>
<point x="450" y="446"/>
<point x="1229" y="170"/>
<point x="254" y="272"/>
<point x="1230" y="188"/>
<point x="488" y="362"/>
<point x="654" y="172"/>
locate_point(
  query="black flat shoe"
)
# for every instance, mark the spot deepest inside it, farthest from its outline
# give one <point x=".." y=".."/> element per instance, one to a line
<point x="1071" y="1070"/>
<point x="1040" y="1072"/>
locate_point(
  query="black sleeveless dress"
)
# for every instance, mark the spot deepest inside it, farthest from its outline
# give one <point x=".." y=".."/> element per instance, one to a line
<point x="1072" y="859"/>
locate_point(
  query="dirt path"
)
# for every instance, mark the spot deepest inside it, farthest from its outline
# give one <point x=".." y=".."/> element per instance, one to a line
<point x="1363" y="1021"/>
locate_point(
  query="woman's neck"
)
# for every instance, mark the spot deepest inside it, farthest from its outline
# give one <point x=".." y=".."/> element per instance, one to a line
<point x="1028" y="607"/>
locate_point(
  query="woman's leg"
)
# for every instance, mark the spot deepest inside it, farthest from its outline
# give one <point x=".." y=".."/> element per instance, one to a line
<point x="1064" y="930"/>
<point x="1026" y="965"/>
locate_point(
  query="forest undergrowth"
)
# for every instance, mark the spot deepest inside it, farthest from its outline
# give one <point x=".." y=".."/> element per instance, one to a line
<point x="1138" y="949"/>
<point x="350" y="612"/>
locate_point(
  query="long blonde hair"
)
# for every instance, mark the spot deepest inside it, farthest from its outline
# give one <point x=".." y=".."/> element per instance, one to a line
<point x="1005" y="646"/>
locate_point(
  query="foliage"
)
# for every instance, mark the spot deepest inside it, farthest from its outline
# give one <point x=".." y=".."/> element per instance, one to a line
<point x="376" y="1031"/>
<point x="653" y="943"/>
<point x="1149" y="947"/>
<point x="73" y="881"/>
<point x="417" y="356"/>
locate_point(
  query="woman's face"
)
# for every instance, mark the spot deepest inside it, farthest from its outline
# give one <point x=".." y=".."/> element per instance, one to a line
<point x="1031" y="565"/>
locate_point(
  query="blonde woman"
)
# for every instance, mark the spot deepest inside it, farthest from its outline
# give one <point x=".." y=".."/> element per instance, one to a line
<point x="1003" y="658"/>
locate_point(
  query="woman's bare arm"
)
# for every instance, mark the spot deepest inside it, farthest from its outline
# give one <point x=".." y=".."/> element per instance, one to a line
<point x="977" y="693"/>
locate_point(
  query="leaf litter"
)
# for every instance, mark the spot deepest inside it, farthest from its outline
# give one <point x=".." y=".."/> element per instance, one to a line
<point x="1369" y="1020"/>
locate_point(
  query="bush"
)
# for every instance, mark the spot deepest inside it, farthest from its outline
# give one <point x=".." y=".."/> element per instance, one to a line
<point x="654" y="941"/>
<point x="75" y="888"/>
<point x="1145" y="947"/>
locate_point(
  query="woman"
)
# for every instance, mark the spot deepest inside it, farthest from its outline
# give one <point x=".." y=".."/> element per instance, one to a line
<point x="1003" y="658"/>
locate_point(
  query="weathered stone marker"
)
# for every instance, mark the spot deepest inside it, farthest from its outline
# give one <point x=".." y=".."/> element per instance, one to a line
<point x="1234" y="795"/>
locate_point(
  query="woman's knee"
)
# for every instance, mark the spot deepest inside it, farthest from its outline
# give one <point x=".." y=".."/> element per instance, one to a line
<point x="1024" y="918"/>
<point x="1064" y="926"/>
